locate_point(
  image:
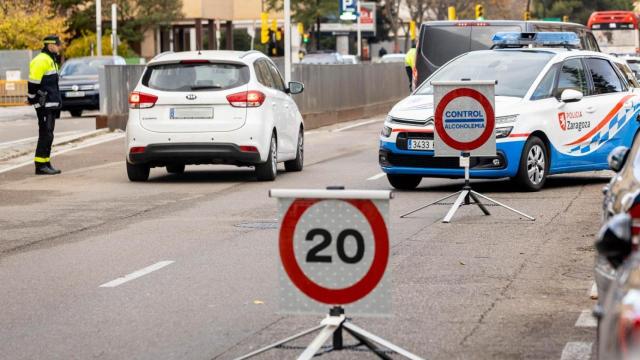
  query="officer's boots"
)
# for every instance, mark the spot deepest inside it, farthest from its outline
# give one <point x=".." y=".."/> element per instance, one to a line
<point x="46" y="169"/>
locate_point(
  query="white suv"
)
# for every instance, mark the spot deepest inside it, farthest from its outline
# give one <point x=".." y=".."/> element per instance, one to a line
<point x="213" y="107"/>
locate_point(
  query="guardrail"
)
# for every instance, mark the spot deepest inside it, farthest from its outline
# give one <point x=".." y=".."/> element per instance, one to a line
<point x="333" y="93"/>
<point x="13" y="93"/>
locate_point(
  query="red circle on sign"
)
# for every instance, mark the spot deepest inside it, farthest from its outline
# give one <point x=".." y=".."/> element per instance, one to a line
<point x="486" y="105"/>
<point x="320" y="293"/>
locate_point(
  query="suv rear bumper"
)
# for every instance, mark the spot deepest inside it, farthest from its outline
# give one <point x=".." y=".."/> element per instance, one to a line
<point x="193" y="154"/>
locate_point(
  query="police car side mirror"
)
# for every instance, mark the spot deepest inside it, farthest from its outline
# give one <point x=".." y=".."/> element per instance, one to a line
<point x="295" y="87"/>
<point x="618" y="157"/>
<point x="614" y="239"/>
<point x="570" y="95"/>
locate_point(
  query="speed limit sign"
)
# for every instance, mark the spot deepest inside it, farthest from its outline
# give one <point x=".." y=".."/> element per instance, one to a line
<point x="334" y="250"/>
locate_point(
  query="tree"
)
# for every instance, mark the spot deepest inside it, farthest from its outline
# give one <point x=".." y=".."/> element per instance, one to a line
<point x="309" y="12"/>
<point x="135" y="17"/>
<point x="83" y="45"/>
<point x="391" y="12"/>
<point x="23" y="24"/>
<point x="577" y="10"/>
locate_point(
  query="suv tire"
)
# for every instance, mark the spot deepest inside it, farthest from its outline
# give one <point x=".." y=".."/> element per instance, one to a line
<point x="534" y="165"/>
<point x="268" y="170"/>
<point x="138" y="172"/>
<point x="175" y="169"/>
<point x="298" y="163"/>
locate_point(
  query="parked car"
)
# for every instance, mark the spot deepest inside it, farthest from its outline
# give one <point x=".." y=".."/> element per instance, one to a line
<point x="350" y="59"/>
<point x="323" y="58"/>
<point x="619" y="315"/>
<point x="441" y="41"/>
<point x="213" y="107"/>
<point x="392" y="58"/>
<point x="79" y="82"/>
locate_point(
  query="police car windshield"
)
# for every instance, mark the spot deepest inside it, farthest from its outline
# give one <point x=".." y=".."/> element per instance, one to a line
<point x="514" y="70"/>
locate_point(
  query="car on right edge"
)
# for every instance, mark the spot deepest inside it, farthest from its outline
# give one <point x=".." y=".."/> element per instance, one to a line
<point x="558" y="110"/>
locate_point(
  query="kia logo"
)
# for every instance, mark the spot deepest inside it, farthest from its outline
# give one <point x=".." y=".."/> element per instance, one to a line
<point x="191" y="97"/>
<point x="74" y="88"/>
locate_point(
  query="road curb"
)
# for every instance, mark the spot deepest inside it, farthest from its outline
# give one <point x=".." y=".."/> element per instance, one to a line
<point x="63" y="141"/>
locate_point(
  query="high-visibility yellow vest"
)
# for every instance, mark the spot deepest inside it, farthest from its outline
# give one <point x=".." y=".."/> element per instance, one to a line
<point x="410" y="58"/>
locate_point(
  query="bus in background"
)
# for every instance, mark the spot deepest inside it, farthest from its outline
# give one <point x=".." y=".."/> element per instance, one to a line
<point x="441" y="41"/>
<point x="616" y="31"/>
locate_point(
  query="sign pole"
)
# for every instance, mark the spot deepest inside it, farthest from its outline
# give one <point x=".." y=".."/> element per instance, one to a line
<point x="287" y="42"/>
<point x="359" y="31"/>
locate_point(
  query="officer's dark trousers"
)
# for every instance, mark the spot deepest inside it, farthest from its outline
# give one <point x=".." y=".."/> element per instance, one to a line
<point x="46" y="125"/>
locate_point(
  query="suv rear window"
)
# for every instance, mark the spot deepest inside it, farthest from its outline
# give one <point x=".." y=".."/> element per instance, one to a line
<point x="196" y="77"/>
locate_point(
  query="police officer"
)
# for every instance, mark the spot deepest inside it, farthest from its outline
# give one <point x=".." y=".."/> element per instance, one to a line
<point x="44" y="95"/>
<point x="410" y="64"/>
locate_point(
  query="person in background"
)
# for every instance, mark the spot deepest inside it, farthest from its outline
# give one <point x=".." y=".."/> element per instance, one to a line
<point x="44" y="95"/>
<point x="410" y="64"/>
<point x="382" y="52"/>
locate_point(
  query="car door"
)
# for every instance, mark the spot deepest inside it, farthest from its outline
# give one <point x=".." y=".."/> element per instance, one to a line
<point x="287" y="143"/>
<point x="610" y="107"/>
<point x="572" y="118"/>
<point x="274" y="99"/>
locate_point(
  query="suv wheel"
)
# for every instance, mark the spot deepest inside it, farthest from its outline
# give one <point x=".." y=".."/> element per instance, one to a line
<point x="534" y="165"/>
<point x="268" y="170"/>
<point x="298" y="163"/>
<point x="138" y="172"/>
<point x="404" y="182"/>
<point x="175" y="168"/>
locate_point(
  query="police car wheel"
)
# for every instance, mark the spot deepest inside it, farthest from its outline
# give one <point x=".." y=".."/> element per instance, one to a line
<point x="175" y="169"/>
<point x="138" y="172"/>
<point x="404" y="182"/>
<point x="534" y="165"/>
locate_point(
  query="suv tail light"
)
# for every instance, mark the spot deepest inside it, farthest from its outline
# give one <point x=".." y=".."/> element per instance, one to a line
<point x="138" y="100"/>
<point x="251" y="98"/>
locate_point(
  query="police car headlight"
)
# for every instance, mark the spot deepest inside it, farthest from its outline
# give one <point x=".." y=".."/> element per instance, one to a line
<point x="386" y="131"/>
<point x="388" y="118"/>
<point x="503" y="132"/>
<point x="506" y="119"/>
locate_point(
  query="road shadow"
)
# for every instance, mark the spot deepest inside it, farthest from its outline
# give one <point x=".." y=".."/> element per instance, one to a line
<point x="508" y="186"/>
<point x="206" y="176"/>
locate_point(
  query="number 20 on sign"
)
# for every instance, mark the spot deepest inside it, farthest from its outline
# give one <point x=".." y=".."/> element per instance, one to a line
<point x="334" y="250"/>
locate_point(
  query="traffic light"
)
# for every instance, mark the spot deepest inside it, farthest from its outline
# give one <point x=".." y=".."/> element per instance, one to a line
<point x="527" y="16"/>
<point x="305" y="38"/>
<point x="279" y="34"/>
<point x="412" y="30"/>
<point x="479" y="12"/>
<point x="452" y="13"/>
<point x="264" y="28"/>
<point x="565" y="18"/>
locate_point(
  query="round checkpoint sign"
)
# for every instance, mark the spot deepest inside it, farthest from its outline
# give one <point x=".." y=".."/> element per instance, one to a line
<point x="334" y="251"/>
<point x="464" y="119"/>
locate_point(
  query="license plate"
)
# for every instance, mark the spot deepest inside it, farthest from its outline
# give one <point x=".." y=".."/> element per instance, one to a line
<point x="191" y="113"/>
<point x="420" y="144"/>
<point x="75" y="94"/>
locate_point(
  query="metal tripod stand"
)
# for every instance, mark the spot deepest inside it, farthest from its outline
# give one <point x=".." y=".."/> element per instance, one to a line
<point x="467" y="196"/>
<point x="332" y="326"/>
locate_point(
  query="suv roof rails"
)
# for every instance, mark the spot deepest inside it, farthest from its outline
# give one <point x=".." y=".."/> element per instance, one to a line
<point x="162" y="54"/>
<point x="249" y="53"/>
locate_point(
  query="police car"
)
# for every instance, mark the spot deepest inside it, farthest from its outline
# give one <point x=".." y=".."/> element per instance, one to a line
<point x="558" y="110"/>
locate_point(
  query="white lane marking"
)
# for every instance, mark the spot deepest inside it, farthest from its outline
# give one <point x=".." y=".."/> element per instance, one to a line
<point x="136" y="274"/>
<point x="56" y="153"/>
<point x="593" y="294"/>
<point x="586" y="319"/>
<point x="576" y="351"/>
<point x="356" y="125"/>
<point x="376" y="176"/>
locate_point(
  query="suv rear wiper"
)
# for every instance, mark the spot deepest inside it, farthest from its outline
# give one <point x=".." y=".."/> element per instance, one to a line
<point x="203" y="87"/>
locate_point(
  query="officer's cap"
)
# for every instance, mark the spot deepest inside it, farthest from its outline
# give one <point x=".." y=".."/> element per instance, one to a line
<point x="52" y="39"/>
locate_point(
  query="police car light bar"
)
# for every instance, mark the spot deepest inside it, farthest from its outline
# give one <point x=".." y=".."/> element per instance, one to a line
<point x="540" y="39"/>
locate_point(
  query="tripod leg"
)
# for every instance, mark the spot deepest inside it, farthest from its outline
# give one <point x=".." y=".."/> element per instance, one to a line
<point x="370" y="345"/>
<point x="482" y="207"/>
<point x="284" y="341"/>
<point x="378" y="340"/>
<point x="505" y="206"/>
<point x="426" y="206"/>
<point x="456" y="205"/>
<point x="331" y="324"/>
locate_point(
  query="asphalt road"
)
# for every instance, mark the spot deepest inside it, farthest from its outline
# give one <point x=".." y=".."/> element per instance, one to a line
<point x="482" y="287"/>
